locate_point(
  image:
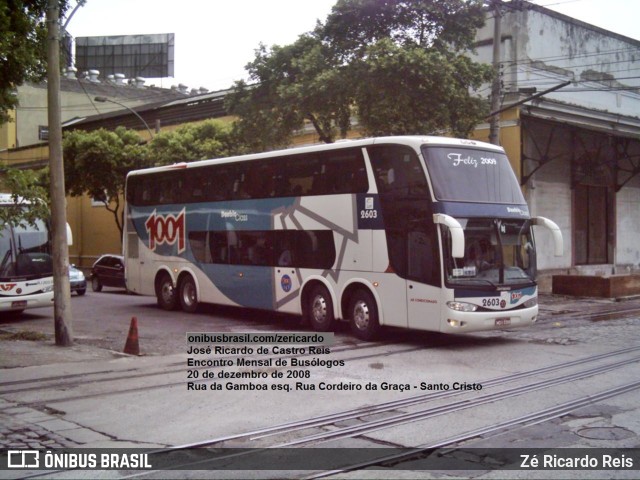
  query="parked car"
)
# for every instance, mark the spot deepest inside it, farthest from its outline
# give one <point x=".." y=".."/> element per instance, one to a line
<point x="77" y="280"/>
<point x="108" y="271"/>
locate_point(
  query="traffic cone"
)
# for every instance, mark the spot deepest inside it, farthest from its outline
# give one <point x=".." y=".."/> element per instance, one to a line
<point x="132" y="347"/>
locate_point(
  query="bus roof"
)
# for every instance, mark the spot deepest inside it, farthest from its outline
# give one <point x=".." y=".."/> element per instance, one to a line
<point x="415" y="141"/>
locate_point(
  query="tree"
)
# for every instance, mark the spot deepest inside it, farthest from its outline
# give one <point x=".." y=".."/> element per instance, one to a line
<point x="410" y="71"/>
<point x="198" y="141"/>
<point x="22" y="47"/>
<point x="431" y="92"/>
<point x="29" y="195"/>
<point x="397" y="65"/>
<point x="97" y="162"/>
<point x="292" y="85"/>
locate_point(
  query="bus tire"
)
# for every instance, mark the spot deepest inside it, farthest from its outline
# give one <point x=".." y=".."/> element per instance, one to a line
<point x="319" y="309"/>
<point x="363" y="316"/>
<point x="166" y="293"/>
<point x="188" y="294"/>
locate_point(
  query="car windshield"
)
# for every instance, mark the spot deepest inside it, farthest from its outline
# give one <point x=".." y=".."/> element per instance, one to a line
<point x="497" y="253"/>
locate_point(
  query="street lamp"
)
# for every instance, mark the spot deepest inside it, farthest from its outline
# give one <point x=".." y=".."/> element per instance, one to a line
<point x="105" y="99"/>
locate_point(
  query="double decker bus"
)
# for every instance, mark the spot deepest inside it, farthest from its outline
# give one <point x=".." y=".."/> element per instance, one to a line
<point x="26" y="268"/>
<point x="426" y="233"/>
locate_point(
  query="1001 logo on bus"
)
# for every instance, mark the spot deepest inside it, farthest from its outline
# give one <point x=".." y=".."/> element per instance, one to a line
<point x="166" y="229"/>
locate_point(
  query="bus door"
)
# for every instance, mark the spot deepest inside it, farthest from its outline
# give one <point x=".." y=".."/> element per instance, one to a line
<point x="410" y="231"/>
<point x="423" y="296"/>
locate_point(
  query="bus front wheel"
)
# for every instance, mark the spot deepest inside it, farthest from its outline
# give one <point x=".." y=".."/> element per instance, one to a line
<point x="363" y="316"/>
<point x="166" y="293"/>
<point x="188" y="294"/>
<point x="319" y="309"/>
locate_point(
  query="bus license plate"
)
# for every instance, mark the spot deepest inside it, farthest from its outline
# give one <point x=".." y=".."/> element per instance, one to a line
<point x="503" y="322"/>
<point x="19" y="304"/>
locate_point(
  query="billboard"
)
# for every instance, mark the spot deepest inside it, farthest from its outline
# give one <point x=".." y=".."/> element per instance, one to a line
<point x="150" y="56"/>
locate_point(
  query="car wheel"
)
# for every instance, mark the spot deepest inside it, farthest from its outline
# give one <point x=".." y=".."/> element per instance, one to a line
<point x="188" y="294"/>
<point x="81" y="292"/>
<point x="166" y="293"/>
<point x="96" y="284"/>
<point x="319" y="309"/>
<point x="363" y="316"/>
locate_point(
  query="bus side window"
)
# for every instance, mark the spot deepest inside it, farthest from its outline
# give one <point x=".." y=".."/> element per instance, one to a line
<point x="411" y="235"/>
<point x="218" y="248"/>
<point x="198" y="242"/>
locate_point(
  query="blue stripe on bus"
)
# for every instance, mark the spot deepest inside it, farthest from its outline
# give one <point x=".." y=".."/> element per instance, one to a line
<point x="489" y="210"/>
<point x="469" y="293"/>
<point x="246" y="285"/>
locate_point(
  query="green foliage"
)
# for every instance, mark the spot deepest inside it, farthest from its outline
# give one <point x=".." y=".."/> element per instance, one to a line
<point x="97" y="162"/>
<point x="445" y="25"/>
<point x="29" y="195"/>
<point x="293" y="84"/>
<point x="397" y="65"/>
<point x="199" y="141"/>
<point x="22" y="47"/>
<point x="431" y="93"/>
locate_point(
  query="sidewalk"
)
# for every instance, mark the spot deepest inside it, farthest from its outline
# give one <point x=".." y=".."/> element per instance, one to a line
<point x="23" y="427"/>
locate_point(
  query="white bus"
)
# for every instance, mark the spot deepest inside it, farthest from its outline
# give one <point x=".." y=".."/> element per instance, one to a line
<point x="26" y="268"/>
<point x="426" y="233"/>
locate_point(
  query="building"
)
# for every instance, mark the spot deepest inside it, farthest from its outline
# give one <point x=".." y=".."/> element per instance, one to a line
<point x="576" y="149"/>
<point x="570" y="122"/>
<point x="24" y="141"/>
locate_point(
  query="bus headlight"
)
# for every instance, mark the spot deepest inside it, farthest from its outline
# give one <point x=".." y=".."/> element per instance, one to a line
<point x="532" y="302"/>
<point x="462" y="306"/>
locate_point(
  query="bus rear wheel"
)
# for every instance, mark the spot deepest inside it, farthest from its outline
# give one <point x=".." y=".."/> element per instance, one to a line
<point x="166" y="293"/>
<point x="319" y="309"/>
<point x="188" y="294"/>
<point x="363" y="316"/>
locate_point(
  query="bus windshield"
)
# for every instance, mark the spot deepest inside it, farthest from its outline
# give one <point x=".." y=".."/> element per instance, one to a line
<point x="24" y="251"/>
<point x="472" y="175"/>
<point x="497" y="253"/>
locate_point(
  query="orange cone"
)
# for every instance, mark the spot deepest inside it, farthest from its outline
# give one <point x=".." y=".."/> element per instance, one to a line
<point x="132" y="347"/>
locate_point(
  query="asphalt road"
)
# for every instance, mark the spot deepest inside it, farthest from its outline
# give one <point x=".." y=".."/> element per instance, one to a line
<point x="411" y="389"/>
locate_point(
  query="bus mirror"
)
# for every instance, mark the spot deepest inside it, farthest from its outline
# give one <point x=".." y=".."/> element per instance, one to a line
<point x="555" y="231"/>
<point x="457" y="233"/>
<point x="69" y="236"/>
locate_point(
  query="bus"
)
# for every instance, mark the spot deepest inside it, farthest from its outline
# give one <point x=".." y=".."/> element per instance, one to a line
<point x="426" y="233"/>
<point x="26" y="267"/>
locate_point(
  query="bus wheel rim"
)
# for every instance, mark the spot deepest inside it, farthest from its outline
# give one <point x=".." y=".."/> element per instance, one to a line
<point x="167" y="291"/>
<point x="361" y="315"/>
<point x="319" y="308"/>
<point x="189" y="294"/>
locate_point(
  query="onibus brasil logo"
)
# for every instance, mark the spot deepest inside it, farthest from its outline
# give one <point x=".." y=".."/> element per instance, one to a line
<point x="166" y="229"/>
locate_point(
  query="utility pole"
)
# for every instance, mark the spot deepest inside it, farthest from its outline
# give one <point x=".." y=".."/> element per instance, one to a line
<point x="494" y="121"/>
<point x="61" y="289"/>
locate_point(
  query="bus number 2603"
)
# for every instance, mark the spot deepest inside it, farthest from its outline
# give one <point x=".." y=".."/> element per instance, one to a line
<point x="490" y="302"/>
<point x="368" y="214"/>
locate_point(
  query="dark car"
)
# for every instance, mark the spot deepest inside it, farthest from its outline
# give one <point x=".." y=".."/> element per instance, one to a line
<point x="108" y="271"/>
<point x="77" y="281"/>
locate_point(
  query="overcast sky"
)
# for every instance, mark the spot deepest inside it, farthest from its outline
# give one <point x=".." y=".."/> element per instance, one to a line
<point x="215" y="39"/>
